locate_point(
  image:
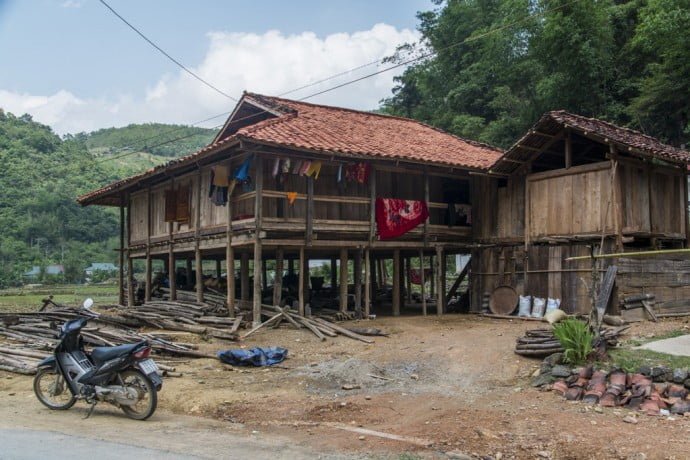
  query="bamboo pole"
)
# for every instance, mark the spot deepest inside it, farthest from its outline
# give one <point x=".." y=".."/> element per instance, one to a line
<point x="632" y="254"/>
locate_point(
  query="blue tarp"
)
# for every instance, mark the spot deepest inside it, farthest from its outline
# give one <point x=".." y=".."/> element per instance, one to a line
<point x="258" y="356"/>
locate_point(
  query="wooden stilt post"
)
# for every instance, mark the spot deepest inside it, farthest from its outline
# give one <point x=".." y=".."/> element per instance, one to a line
<point x="219" y="270"/>
<point x="121" y="258"/>
<point x="230" y="279"/>
<point x="130" y="280"/>
<point x="334" y="274"/>
<point x="368" y="273"/>
<point x="439" y="281"/>
<point x="244" y="276"/>
<point x="291" y="266"/>
<point x="357" y="266"/>
<point x="189" y="270"/>
<point x="147" y="288"/>
<point x="172" y="273"/>
<point x="302" y="280"/>
<point x="422" y="281"/>
<point x="278" y="278"/>
<point x="199" y="282"/>
<point x="396" y="282"/>
<point x="229" y="259"/>
<point x="258" y="251"/>
<point x="147" y="279"/>
<point x="264" y="274"/>
<point x="343" y="279"/>
<point x="432" y="279"/>
<point x="256" y="311"/>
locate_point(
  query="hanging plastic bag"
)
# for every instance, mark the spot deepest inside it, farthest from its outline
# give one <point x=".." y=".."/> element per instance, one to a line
<point x="525" y="305"/>
<point x="538" y="307"/>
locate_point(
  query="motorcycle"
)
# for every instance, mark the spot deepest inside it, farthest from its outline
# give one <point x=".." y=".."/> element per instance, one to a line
<point x="124" y="375"/>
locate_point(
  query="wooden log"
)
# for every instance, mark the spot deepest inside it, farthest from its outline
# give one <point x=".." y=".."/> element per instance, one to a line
<point x="268" y="322"/>
<point x="23" y="352"/>
<point x="343" y="331"/>
<point x="367" y="283"/>
<point x="257" y="283"/>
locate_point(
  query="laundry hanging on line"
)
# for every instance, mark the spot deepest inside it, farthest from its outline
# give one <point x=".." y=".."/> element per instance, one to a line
<point x="395" y="217"/>
<point x="416" y="275"/>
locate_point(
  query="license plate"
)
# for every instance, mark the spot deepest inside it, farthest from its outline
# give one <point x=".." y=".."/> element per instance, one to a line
<point x="148" y="366"/>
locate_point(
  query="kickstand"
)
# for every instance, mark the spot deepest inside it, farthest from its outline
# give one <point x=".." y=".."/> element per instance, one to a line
<point x="93" y="406"/>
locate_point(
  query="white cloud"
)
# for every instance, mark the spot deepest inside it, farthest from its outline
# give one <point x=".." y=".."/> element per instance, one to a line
<point x="71" y="4"/>
<point x="270" y="63"/>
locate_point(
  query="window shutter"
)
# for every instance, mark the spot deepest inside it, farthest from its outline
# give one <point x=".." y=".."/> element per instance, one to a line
<point x="183" y="214"/>
<point x="170" y="205"/>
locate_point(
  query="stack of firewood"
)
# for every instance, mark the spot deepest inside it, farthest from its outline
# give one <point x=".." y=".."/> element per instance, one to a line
<point x="539" y="343"/>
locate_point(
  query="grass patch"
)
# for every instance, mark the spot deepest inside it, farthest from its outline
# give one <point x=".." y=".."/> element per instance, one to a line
<point x="16" y="301"/>
<point x="632" y="360"/>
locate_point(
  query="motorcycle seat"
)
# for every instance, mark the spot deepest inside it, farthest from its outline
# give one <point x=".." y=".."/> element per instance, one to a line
<point x="103" y="354"/>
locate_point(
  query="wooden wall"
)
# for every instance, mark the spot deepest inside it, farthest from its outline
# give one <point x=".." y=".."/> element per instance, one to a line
<point x="499" y="207"/>
<point x="667" y="278"/>
<point x="540" y="271"/>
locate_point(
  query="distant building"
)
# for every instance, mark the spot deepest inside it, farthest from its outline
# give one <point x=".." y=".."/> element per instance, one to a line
<point x="50" y="270"/>
<point x="100" y="267"/>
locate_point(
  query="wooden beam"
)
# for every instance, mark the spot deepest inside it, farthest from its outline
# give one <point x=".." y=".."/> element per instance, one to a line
<point x="219" y="270"/>
<point x="147" y="287"/>
<point x="121" y="259"/>
<point x="334" y="274"/>
<point x="189" y="271"/>
<point x="686" y="214"/>
<point x="172" y="274"/>
<point x="367" y="283"/>
<point x="278" y="278"/>
<point x="422" y="280"/>
<point x="343" y="279"/>
<point x="199" y="281"/>
<point x="396" y="282"/>
<point x="147" y="279"/>
<point x="303" y="278"/>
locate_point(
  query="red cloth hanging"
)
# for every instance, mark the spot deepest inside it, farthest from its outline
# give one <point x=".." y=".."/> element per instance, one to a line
<point x="416" y="275"/>
<point x="395" y="217"/>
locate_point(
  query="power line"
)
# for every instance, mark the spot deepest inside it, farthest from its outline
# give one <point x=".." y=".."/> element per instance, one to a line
<point x="387" y="69"/>
<point x="179" y="64"/>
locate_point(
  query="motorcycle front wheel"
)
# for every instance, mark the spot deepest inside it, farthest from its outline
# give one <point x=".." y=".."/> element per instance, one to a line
<point x="147" y="395"/>
<point x="52" y="390"/>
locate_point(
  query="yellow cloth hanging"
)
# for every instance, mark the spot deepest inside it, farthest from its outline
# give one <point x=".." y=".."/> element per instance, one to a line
<point x="220" y="176"/>
<point x="291" y="197"/>
<point x="314" y="169"/>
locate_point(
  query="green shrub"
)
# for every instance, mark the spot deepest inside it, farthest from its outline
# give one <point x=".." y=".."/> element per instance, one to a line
<point x="575" y="338"/>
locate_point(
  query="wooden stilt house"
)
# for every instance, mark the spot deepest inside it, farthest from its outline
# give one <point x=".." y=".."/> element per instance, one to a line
<point x="292" y="181"/>
<point x="569" y="186"/>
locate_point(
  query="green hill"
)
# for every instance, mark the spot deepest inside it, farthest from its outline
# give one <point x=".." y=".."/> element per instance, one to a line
<point x="43" y="174"/>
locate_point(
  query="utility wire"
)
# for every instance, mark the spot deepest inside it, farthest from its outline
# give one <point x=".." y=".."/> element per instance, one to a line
<point x="403" y="63"/>
<point x="179" y="64"/>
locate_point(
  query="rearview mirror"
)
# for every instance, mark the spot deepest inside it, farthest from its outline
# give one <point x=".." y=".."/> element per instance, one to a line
<point x="88" y="303"/>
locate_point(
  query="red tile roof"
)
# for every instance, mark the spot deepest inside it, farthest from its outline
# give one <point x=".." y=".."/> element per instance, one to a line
<point x="331" y="130"/>
<point x="551" y="123"/>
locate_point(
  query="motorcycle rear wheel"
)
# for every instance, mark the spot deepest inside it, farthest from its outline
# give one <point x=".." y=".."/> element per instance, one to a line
<point x="148" y="396"/>
<point x="52" y="390"/>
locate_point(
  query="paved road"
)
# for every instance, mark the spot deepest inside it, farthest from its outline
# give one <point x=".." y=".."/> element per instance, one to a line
<point x="30" y="431"/>
<point x="23" y="444"/>
<point x="679" y="346"/>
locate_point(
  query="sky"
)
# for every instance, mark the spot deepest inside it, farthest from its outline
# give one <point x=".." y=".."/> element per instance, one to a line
<point x="75" y="66"/>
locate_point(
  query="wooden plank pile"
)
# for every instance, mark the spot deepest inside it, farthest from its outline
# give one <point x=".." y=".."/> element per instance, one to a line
<point x="539" y="343"/>
<point x="320" y="327"/>
<point x="30" y="337"/>
<point x="640" y="307"/>
<point x="183" y="316"/>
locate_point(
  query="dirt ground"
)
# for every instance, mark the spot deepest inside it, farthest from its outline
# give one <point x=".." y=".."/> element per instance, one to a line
<point x="436" y="384"/>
